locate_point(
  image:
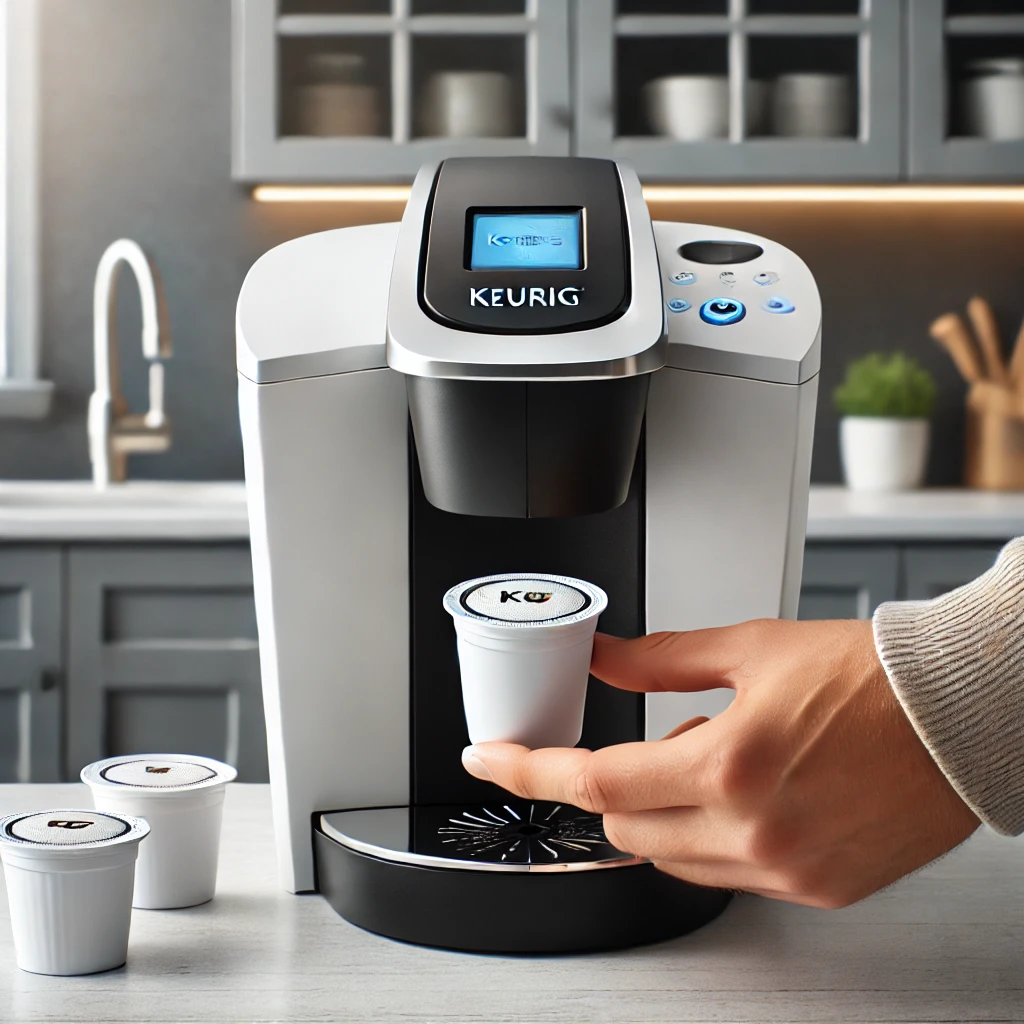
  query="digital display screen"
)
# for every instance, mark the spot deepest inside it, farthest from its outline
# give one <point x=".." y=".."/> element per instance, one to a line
<point x="543" y="240"/>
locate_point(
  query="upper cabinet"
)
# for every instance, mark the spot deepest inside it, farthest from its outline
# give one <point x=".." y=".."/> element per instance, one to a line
<point x="741" y="90"/>
<point x="966" y="90"/>
<point x="684" y="90"/>
<point x="368" y="90"/>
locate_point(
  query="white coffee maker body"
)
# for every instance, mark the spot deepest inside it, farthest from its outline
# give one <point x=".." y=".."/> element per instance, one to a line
<point x="348" y="554"/>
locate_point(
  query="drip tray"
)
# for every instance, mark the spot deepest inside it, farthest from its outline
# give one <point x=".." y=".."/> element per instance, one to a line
<point x="516" y="836"/>
<point x="502" y="877"/>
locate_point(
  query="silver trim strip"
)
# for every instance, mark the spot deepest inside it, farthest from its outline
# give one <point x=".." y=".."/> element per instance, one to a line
<point x="452" y="864"/>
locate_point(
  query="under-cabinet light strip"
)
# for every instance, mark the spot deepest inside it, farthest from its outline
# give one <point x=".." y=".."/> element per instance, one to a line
<point x="689" y="193"/>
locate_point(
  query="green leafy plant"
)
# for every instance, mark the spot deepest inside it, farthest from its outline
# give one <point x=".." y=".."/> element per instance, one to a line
<point x="884" y="384"/>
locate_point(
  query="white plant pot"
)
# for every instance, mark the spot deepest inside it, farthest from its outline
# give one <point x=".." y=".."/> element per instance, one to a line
<point x="882" y="453"/>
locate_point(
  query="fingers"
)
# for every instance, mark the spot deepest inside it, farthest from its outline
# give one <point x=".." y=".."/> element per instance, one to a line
<point x="624" y="777"/>
<point x="704" y="659"/>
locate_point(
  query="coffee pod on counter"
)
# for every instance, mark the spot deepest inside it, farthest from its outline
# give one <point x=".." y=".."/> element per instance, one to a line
<point x="524" y="642"/>
<point x="69" y="877"/>
<point x="182" y="798"/>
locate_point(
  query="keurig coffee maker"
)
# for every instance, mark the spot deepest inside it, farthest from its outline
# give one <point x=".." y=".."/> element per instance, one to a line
<point x="524" y="376"/>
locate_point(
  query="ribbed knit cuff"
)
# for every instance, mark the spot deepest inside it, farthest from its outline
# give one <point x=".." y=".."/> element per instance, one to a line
<point x="957" y="666"/>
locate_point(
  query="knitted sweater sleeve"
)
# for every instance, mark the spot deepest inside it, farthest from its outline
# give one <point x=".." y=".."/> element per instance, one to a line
<point x="956" y="664"/>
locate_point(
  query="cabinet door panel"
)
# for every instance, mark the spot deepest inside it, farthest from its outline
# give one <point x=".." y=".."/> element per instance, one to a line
<point x="163" y="655"/>
<point x="931" y="571"/>
<point x="30" y="664"/>
<point x="847" y="582"/>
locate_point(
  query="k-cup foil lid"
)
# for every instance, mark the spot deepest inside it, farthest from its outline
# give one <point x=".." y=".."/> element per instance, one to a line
<point x="71" y="829"/>
<point x="163" y="773"/>
<point x="526" y="599"/>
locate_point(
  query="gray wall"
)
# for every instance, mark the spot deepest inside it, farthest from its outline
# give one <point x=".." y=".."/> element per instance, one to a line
<point x="136" y="141"/>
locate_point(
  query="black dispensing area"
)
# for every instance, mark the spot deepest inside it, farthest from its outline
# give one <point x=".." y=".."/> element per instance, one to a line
<point x="445" y="549"/>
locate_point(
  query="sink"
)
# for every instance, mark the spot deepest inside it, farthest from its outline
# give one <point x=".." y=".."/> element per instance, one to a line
<point x="139" y="510"/>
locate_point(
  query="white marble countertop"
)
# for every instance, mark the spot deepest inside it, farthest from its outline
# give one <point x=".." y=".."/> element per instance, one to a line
<point x="138" y="510"/>
<point x="835" y="513"/>
<point x="149" y="510"/>
<point x="944" y="945"/>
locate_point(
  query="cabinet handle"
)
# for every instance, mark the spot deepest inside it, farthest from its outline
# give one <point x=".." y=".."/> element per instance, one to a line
<point x="49" y="679"/>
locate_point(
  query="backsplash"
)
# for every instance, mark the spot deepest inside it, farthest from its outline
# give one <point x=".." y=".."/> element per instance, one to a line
<point x="153" y="163"/>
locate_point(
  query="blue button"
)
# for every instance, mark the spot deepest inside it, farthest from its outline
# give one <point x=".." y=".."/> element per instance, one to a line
<point x="765" y="278"/>
<point x="683" y="277"/>
<point x="721" y="312"/>
<point x="678" y="305"/>
<point x="777" y="304"/>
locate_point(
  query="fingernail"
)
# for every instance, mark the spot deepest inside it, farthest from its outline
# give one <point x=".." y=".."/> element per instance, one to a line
<point x="474" y="765"/>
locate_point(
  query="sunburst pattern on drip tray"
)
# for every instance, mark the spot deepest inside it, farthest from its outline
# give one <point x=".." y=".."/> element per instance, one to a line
<point x="525" y="832"/>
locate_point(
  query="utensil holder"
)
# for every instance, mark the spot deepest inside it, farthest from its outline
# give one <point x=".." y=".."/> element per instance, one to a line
<point x="994" y="455"/>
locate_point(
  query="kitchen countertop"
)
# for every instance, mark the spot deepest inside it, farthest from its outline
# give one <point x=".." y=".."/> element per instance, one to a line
<point x="944" y="945"/>
<point x="138" y="510"/>
<point x="835" y="513"/>
<point x="155" y="511"/>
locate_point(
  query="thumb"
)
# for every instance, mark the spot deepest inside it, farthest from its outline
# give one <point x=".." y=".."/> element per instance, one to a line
<point x="704" y="659"/>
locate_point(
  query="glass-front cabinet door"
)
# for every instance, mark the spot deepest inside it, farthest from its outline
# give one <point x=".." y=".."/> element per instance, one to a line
<point x="741" y="90"/>
<point x="368" y="90"/>
<point x="966" y="90"/>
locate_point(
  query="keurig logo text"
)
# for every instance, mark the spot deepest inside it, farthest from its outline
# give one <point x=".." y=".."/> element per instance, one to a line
<point x="157" y="771"/>
<point x="533" y="597"/>
<point x="501" y="297"/>
<point x="70" y="824"/>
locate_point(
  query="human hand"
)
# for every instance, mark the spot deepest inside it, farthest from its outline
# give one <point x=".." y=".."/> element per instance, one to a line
<point x="811" y="787"/>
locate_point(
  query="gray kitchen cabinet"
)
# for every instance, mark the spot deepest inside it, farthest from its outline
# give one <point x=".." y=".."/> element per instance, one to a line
<point x="162" y="655"/>
<point x="30" y="664"/>
<point x="622" y="45"/>
<point x="944" y="39"/>
<point x="932" y="570"/>
<point x="338" y="90"/>
<point x="848" y="582"/>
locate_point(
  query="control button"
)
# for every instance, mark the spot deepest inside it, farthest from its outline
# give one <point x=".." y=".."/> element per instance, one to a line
<point x="727" y="277"/>
<point x="765" y="278"/>
<point x="683" y="277"/>
<point x="720" y="252"/>
<point x="721" y="312"/>
<point x="678" y="305"/>
<point x="777" y="304"/>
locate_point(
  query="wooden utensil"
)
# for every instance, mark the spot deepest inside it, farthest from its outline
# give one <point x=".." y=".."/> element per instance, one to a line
<point x="987" y="332"/>
<point x="952" y="334"/>
<point x="1017" y="360"/>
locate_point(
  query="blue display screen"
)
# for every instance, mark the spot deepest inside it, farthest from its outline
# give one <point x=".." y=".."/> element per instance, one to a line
<point x="528" y="241"/>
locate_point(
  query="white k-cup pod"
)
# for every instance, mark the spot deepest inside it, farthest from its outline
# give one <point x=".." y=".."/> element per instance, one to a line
<point x="69" y="877"/>
<point x="525" y="641"/>
<point x="182" y="798"/>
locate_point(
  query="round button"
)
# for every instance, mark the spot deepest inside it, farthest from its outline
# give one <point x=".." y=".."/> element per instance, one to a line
<point x="721" y="312"/>
<point x="683" y="277"/>
<point x="678" y="305"/>
<point x="765" y="278"/>
<point x="727" y="277"/>
<point x="777" y="304"/>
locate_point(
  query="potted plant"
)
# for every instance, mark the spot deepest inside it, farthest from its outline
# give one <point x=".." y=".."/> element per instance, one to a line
<point x="885" y="402"/>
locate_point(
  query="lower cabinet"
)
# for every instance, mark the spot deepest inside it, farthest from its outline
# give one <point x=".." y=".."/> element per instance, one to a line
<point x="843" y="581"/>
<point x="122" y="649"/>
<point x="31" y="664"/>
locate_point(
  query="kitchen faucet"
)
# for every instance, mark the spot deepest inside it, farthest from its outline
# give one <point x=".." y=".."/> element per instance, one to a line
<point x="114" y="432"/>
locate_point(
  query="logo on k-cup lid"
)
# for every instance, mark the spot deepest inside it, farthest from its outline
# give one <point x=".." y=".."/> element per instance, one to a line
<point x="523" y="599"/>
<point x="164" y="772"/>
<point x="75" y="828"/>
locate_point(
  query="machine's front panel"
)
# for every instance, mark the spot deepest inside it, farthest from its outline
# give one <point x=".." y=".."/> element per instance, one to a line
<point x="445" y="548"/>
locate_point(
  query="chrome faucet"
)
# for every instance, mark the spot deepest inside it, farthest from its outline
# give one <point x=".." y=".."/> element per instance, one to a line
<point x="115" y="432"/>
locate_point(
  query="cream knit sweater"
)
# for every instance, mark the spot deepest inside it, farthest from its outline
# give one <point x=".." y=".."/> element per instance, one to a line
<point x="957" y="666"/>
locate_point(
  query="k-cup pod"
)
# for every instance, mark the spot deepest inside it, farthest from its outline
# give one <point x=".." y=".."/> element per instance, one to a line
<point x="69" y="877"/>
<point x="182" y="798"/>
<point x="524" y="642"/>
